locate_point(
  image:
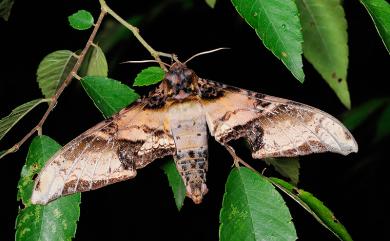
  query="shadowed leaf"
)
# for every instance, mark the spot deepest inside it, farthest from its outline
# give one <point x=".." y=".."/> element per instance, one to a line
<point x="6" y="123"/>
<point x="383" y="126"/>
<point x="355" y="117"/>
<point x="5" y="8"/>
<point x="288" y="167"/>
<point x="97" y="64"/>
<point x="53" y="70"/>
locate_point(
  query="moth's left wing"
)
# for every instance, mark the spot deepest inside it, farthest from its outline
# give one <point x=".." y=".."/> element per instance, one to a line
<point x="107" y="153"/>
<point x="274" y="127"/>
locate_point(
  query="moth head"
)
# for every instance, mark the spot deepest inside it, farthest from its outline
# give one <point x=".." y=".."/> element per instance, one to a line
<point x="181" y="80"/>
<point x="196" y="189"/>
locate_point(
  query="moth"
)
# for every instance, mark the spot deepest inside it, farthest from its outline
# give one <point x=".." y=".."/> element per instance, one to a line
<point x="174" y="120"/>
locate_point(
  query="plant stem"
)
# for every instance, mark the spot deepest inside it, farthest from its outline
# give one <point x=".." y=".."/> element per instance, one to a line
<point x="54" y="98"/>
<point x="155" y="54"/>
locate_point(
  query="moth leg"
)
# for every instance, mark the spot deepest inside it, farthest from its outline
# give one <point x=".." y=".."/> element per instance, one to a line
<point x="236" y="159"/>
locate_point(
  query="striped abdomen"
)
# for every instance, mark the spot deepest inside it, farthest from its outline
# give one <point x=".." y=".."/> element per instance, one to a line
<point x="188" y="125"/>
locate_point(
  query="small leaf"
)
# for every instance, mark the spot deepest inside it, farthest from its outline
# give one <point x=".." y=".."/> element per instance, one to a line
<point x="355" y="117"/>
<point x="277" y="24"/>
<point x="97" y="65"/>
<point x="53" y="70"/>
<point x="6" y="123"/>
<point x="379" y="11"/>
<point x="288" y="167"/>
<point x="81" y="20"/>
<point x="383" y="126"/>
<point x="253" y="210"/>
<point x="109" y="95"/>
<point x="54" y="221"/>
<point x="324" y="30"/>
<point x="211" y="3"/>
<point x="315" y="207"/>
<point x="5" y="8"/>
<point x="176" y="183"/>
<point x="149" y="76"/>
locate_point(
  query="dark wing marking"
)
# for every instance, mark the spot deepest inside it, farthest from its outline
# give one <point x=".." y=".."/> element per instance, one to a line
<point x="107" y="153"/>
<point x="273" y="126"/>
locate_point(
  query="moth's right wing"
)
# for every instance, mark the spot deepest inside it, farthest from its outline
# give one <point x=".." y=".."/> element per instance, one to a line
<point x="107" y="153"/>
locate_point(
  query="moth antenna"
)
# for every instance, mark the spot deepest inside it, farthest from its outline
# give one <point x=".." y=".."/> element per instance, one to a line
<point x="205" y="52"/>
<point x="145" y="61"/>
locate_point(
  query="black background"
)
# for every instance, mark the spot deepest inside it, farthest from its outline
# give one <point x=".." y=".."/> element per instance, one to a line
<point x="354" y="187"/>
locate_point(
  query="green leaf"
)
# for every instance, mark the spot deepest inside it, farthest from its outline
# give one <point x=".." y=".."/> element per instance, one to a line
<point x="379" y="11"/>
<point x="109" y="95"/>
<point x="81" y="20"/>
<point x="53" y="70"/>
<point x="277" y="24"/>
<point x="5" y="8"/>
<point x="315" y="207"/>
<point x="355" y="117"/>
<point x="97" y="65"/>
<point x="383" y="126"/>
<point x="211" y="3"/>
<point x="149" y="76"/>
<point x="176" y="183"/>
<point x="40" y="150"/>
<point x="54" y="221"/>
<point x="324" y="30"/>
<point x="288" y="167"/>
<point x="253" y="210"/>
<point x="6" y="123"/>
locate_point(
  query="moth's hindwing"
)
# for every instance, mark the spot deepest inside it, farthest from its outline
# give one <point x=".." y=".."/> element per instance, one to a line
<point x="274" y="127"/>
<point x="107" y="153"/>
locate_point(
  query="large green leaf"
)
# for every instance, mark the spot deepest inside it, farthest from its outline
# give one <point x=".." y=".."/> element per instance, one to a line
<point x="5" y="8"/>
<point x="379" y="11"/>
<point x="324" y="29"/>
<point x="277" y="24"/>
<point x="355" y="117"/>
<point x="315" y="207"/>
<point x="383" y="127"/>
<point x="149" y="76"/>
<point x="253" y="210"/>
<point x="176" y="183"/>
<point x="53" y="70"/>
<point x="288" y="167"/>
<point x="81" y="20"/>
<point x="109" y="95"/>
<point x="97" y="64"/>
<point x="6" y="123"/>
<point x="54" y="221"/>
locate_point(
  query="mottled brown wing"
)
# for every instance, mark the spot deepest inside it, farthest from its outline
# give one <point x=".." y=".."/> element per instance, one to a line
<point x="274" y="127"/>
<point x="109" y="152"/>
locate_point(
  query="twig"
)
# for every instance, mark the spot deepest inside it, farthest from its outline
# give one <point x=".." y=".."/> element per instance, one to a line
<point x="237" y="159"/>
<point x="73" y="73"/>
<point x="66" y="82"/>
<point x="155" y="54"/>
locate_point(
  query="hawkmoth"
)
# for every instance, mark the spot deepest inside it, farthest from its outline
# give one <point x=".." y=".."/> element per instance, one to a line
<point x="174" y="120"/>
